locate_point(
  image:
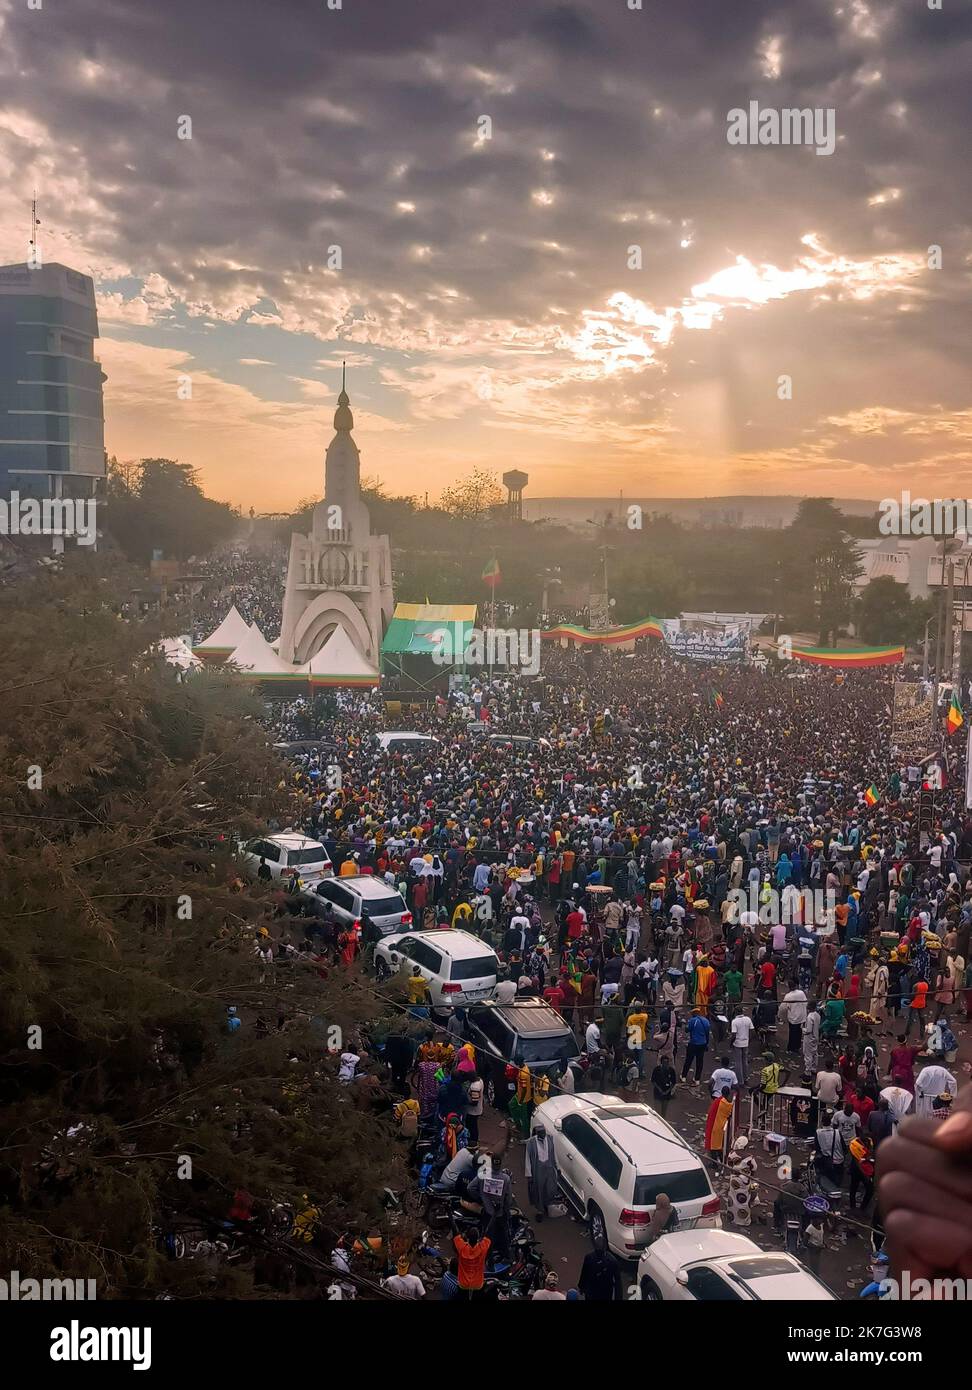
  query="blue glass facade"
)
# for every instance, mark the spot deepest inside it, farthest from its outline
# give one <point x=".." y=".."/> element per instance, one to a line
<point x="52" y="431"/>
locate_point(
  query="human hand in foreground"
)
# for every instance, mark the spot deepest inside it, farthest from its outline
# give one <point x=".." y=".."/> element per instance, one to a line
<point x="925" y="1194"/>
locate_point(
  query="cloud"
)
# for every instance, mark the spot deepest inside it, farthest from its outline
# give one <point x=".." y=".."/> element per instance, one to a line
<point x="484" y="288"/>
<point x="250" y="448"/>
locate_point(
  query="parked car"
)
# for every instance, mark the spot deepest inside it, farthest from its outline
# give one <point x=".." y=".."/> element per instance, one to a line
<point x="615" y="1157"/>
<point x="521" y="741"/>
<point x="357" y="896"/>
<point x="526" y="1031"/>
<point x="308" y="745"/>
<point x="286" y="851"/>
<point x="722" y="1266"/>
<point x="458" y="968"/>
<point x="405" y="741"/>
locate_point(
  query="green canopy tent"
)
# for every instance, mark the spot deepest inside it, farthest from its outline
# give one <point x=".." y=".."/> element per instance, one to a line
<point x="423" y="647"/>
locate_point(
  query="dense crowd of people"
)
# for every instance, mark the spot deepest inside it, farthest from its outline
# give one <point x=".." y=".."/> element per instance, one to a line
<point x="701" y="887"/>
<point x="250" y="579"/>
<point x="716" y="875"/>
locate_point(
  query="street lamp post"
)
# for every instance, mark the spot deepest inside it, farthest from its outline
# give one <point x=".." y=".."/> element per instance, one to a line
<point x="957" y="635"/>
<point x="924" y="663"/>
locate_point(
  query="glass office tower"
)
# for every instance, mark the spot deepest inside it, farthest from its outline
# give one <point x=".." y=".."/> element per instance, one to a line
<point x="52" y="424"/>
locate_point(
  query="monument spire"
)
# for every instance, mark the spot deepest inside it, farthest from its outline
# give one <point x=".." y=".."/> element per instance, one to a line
<point x="343" y="419"/>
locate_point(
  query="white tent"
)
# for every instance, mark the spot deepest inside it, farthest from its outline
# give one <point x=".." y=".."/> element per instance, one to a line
<point x="227" y="637"/>
<point x="178" y="653"/>
<point x="340" y="663"/>
<point x="257" y="659"/>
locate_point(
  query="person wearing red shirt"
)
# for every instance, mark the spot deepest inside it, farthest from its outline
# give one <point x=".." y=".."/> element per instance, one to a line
<point x="553" y="878"/>
<point x="767" y="976"/>
<point x="575" y="925"/>
<point x="472" y="1262"/>
<point x="420" y="895"/>
<point x="588" y="986"/>
<point x="863" y="1105"/>
<point x="555" y="996"/>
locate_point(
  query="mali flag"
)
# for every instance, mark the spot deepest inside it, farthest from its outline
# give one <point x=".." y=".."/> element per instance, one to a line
<point x="491" y="573"/>
<point x="872" y="796"/>
<point x="955" y="718"/>
<point x="717" y="699"/>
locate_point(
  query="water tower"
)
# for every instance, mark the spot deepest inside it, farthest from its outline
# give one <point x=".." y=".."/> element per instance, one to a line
<point x="515" y="482"/>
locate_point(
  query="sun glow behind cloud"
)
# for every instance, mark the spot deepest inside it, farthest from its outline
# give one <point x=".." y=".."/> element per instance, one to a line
<point x="496" y="254"/>
<point x="628" y="334"/>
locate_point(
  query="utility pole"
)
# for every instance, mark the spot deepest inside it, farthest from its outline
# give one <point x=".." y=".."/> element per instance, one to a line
<point x="942" y="637"/>
<point x="959" y="628"/>
<point x="952" y="635"/>
<point x="776" y="600"/>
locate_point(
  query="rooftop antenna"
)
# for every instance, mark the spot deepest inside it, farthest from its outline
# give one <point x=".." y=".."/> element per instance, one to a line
<point x="33" y="256"/>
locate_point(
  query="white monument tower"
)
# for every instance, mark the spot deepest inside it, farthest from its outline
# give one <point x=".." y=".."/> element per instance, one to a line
<point x="339" y="575"/>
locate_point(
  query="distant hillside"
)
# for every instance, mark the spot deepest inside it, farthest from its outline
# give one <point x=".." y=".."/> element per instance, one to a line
<point x="707" y="511"/>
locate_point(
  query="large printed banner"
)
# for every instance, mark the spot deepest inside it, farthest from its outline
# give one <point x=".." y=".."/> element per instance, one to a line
<point x="699" y="640"/>
<point x="913" y="728"/>
<point x="695" y="639"/>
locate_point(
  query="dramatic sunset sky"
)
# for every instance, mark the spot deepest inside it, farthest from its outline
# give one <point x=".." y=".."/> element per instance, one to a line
<point x="485" y="305"/>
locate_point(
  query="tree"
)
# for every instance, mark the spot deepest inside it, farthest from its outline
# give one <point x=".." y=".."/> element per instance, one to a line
<point x="159" y="505"/>
<point x="649" y="587"/>
<point x="127" y="934"/>
<point x="820" y="568"/>
<point x="887" y="614"/>
<point x="472" y="498"/>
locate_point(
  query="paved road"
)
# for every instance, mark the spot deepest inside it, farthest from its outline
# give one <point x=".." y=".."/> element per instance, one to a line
<point x="845" y="1262"/>
<point x="564" y="1239"/>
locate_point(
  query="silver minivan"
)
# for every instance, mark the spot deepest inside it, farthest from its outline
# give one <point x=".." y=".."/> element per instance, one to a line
<point x="361" y="895"/>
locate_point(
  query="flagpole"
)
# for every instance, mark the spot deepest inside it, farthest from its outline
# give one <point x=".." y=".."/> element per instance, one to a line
<point x="492" y="625"/>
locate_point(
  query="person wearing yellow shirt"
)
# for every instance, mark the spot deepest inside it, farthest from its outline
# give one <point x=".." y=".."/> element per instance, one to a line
<point x="418" y="990"/>
<point x="637" y="1030"/>
<point x="349" y="868"/>
<point x="705" y="982"/>
<point x="461" y="916"/>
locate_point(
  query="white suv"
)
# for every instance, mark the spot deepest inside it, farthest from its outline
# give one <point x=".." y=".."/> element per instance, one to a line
<point x="457" y="967"/>
<point x="615" y="1157"/>
<point x="722" y="1266"/>
<point x="359" y="896"/>
<point x="286" y="851"/>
